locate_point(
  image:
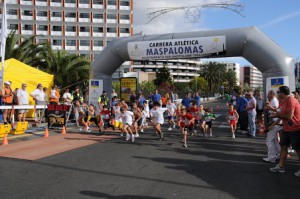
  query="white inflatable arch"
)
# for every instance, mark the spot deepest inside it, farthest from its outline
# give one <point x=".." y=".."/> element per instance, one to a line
<point x="248" y="42"/>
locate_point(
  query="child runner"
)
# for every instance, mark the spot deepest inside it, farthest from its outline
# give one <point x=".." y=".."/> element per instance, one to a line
<point x="209" y="117"/>
<point x="137" y="118"/>
<point x="123" y="104"/>
<point x="118" y="121"/>
<point x="157" y="115"/>
<point x="106" y="118"/>
<point x="232" y="117"/>
<point x="171" y="113"/>
<point x="146" y="113"/>
<point x="186" y="124"/>
<point x="141" y="122"/>
<point x="127" y="119"/>
<point x="78" y="109"/>
<point x="201" y="119"/>
<point x="194" y="111"/>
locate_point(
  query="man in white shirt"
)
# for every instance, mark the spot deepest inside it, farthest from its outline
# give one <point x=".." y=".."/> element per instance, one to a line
<point x="67" y="97"/>
<point x="40" y="99"/>
<point x="22" y="100"/>
<point x="251" y="109"/>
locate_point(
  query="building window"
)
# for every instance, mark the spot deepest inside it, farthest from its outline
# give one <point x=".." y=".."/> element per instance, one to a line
<point x="124" y="3"/>
<point x="84" y="15"/>
<point x="125" y="17"/>
<point x="56" y="1"/>
<point x="41" y="0"/>
<point x="28" y="27"/>
<point x="56" y="14"/>
<point x="71" y="42"/>
<point x="98" y="16"/>
<point x="43" y="40"/>
<point x="70" y="1"/>
<point x="56" y="42"/>
<point x="43" y="27"/>
<point x="56" y="28"/>
<point x="13" y="26"/>
<point x="84" y="1"/>
<point x="27" y="13"/>
<point x="71" y="28"/>
<point x="97" y="1"/>
<point x="111" y="2"/>
<point x="98" y="43"/>
<point x="84" y="42"/>
<point x="111" y="16"/>
<point x="84" y="29"/>
<point x="71" y="14"/>
<point x="12" y="12"/>
<point x="42" y="13"/>
<point x="98" y="29"/>
<point x="124" y="30"/>
<point x="112" y="30"/>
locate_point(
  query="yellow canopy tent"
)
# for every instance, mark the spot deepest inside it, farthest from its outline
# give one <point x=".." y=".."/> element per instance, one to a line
<point x="18" y="73"/>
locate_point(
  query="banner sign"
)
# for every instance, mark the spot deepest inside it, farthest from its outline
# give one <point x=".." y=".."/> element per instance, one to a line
<point x="95" y="90"/>
<point x="277" y="82"/>
<point x="57" y="115"/>
<point x="177" y="48"/>
<point x="128" y="85"/>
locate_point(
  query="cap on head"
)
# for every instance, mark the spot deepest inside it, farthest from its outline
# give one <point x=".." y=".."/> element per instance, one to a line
<point x="7" y="82"/>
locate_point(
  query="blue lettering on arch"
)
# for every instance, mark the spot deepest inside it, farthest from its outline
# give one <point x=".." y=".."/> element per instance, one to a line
<point x="149" y="52"/>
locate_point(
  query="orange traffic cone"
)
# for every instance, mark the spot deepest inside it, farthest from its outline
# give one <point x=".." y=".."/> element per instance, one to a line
<point x="5" y="142"/>
<point x="63" y="130"/>
<point x="46" y="133"/>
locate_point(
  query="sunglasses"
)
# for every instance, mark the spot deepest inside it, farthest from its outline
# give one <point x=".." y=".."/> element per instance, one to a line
<point x="278" y="92"/>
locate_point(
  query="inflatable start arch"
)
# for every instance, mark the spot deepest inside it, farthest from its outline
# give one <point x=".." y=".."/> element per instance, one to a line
<point x="276" y="65"/>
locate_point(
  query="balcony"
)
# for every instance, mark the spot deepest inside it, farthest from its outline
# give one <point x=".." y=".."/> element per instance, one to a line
<point x="70" y="19"/>
<point x="84" y="48"/>
<point x="56" y="4"/>
<point x="41" y="3"/>
<point x="84" y="19"/>
<point x="111" y="21"/>
<point x="98" y="20"/>
<point x="124" y="34"/>
<point x="124" y="21"/>
<point x="41" y="18"/>
<point x="12" y="16"/>
<point x="26" y="32"/>
<point x="25" y="17"/>
<point x="84" y="34"/>
<point x="70" y="33"/>
<point x="84" y="5"/>
<point x="56" y="47"/>
<point x="42" y="32"/>
<point x="111" y="7"/>
<point x="98" y="48"/>
<point x="98" y="6"/>
<point x="56" y="33"/>
<point x="97" y="34"/>
<point x="111" y="34"/>
<point x="56" y="18"/>
<point x="12" y="1"/>
<point x="124" y="7"/>
<point x="29" y="3"/>
<point x="70" y="5"/>
<point x="70" y="47"/>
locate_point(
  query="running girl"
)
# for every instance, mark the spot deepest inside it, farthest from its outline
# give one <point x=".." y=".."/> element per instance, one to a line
<point x="116" y="113"/>
<point x="232" y="118"/>
<point x="171" y="113"/>
<point x="127" y="120"/>
<point x="194" y="111"/>
<point x="157" y="115"/>
<point x="209" y="117"/>
<point x="187" y="122"/>
<point x="201" y="119"/>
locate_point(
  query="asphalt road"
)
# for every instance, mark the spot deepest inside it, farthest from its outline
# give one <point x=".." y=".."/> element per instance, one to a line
<point x="216" y="167"/>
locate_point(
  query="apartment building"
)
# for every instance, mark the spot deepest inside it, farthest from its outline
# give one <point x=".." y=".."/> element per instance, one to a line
<point x="84" y="27"/>
<point x="181" y="70"/>
<point x="252" y="76"/>
<point x="235" y="67"/>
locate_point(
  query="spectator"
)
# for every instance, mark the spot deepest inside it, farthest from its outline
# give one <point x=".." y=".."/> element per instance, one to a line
<point x="174" y="97"/>
<point x="156" y="97"/>
<point x="132" y="98"/>
<point x="23" y="99"/>
<point x="77" y="95"/>
<point x="197" y="99"/>
<point x="45" y="89"/>
<point x="114" y="94"/>
<point x="241" y="103"/>
<point x="296" y="95"/>
<point x="103" y="98"/>
<point x="7" y="99"/>
<point x="141" y="100"/>
<point x="289" y="113"/>
<point x="39" y="98"/>
<point x="150" y="99"/>
<point x="54" y="95"/>
<point x="251" y="110"/>
<point x="164" y="100"/>
<point x="186" y="101"/>
<point x="67" y="97"/>
<point x="260" y="106"/>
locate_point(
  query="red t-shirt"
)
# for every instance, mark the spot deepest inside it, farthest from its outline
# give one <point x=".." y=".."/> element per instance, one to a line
<point x="195" y="112"/>
<point x="185" y="120"/>
<point x="105" y="115"/>
<point x="287" y="105"/>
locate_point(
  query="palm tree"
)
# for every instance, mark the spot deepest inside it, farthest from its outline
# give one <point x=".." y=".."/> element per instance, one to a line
<point x="213" y="72"/>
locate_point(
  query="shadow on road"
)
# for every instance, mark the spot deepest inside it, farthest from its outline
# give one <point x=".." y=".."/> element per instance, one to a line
<point x="108" y="196"/>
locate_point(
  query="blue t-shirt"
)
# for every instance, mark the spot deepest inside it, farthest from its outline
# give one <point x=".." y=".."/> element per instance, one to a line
<point x="186" y="102"/>
<point x="141" y="101"/>
<point x="197" y="99"/>
<point x="241" y="103"/>
<point x="156" y="97"/>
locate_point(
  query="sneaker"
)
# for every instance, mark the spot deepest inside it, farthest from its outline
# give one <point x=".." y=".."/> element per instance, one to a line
<point x="121" y="134"/>
<point x="206" y="135"/>
<point x="88" y="130"/>
<point x="161" y="137"/>
<point x="132" y="138"/>
<point x="233" y="136"/>
<point x="146" y="124"/>
<point x="80" y="129"/>
<point x="127" y="137"/>
<point x="297" y="174"/>
<point x="174" y="126"/>
<point x="195" y="131"/>
<point x="269" y="161"/>
<point x="277" y="168"/>
<point x="170" y="129"/>
<point x="210" y="134"/>
<point x="137" y="135"/>
<point x="184" y="145"/>
<point x="142" y="130"/>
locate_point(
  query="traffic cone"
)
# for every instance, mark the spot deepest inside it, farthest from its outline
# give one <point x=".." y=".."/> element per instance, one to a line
<point x="262" y="127"/>
<point x="63" y="130"/>
<point x="5" y="142"/>
<point x="46" y="133"/>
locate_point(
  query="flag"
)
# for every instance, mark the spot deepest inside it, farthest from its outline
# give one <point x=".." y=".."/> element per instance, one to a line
<point x="3" y="39"/>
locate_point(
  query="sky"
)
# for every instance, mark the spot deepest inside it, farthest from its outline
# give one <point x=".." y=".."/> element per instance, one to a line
<point x="278" y="19"/>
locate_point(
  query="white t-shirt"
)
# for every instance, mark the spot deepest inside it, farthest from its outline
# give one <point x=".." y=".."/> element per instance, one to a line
<point x="251" y="104"/>
<point x="23" y="97"/>
<point x="127" y="117"/>
<point x="274" y="103"/>
<point x="53" y="94"/>
<point x="67" y="96"/>
<point x="158" y="115"/>
<point x="117" y="114"/>
<point x="39" y="95"/>
<point x="147" y="111"/>
<point x="172" y="108"/>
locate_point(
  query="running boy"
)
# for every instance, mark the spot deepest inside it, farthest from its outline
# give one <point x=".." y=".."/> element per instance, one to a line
<point x="171" y="113"/>
<point x="187" y="122"/>
<point x="208" y="117"/>
<point x="157" y="115"/>
<point x="127" y="120"/>
<point x="137" y="118"/>
<point x="232" y="118"/>
<point x="194" y="111"/>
